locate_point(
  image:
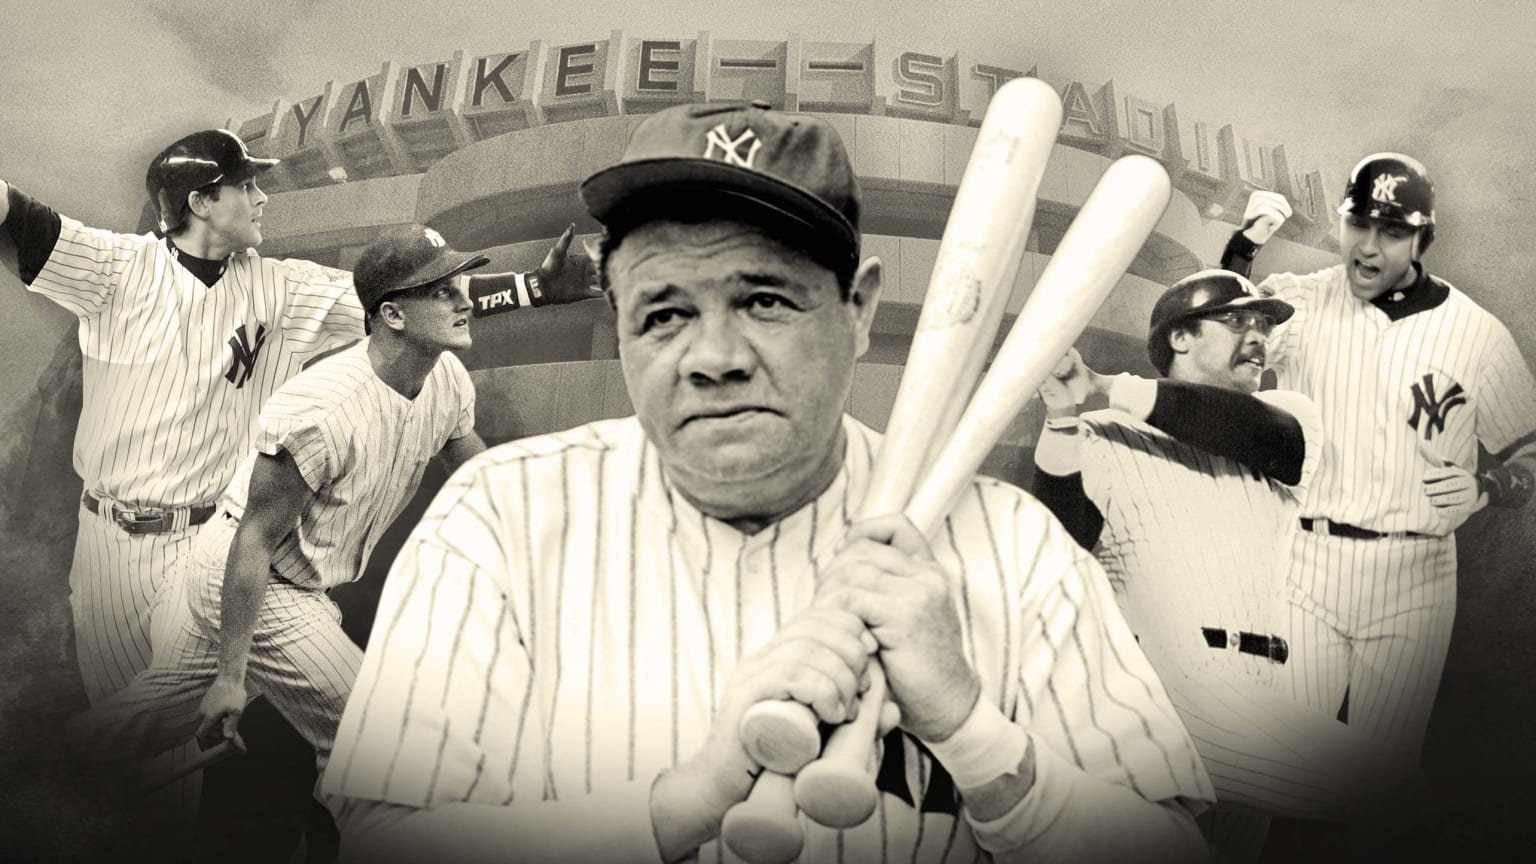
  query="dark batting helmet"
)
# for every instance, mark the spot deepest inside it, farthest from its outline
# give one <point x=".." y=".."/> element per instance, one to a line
<point x="1395" y="188"/>
<point x="202" y="158"/>
<point x="1201" y="294"/>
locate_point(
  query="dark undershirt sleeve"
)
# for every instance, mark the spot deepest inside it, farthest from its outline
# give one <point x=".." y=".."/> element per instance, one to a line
<point x="1232" y="424"/>
<point x="1066" y="499"/>
<point x="34" y="228"/>
<point x="1239" y="254"/>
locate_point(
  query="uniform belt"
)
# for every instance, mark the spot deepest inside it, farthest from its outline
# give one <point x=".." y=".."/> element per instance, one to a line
<point x="1257" y="644"/>
<point x="1330" y="528"/>
<point x="148" y="520"/>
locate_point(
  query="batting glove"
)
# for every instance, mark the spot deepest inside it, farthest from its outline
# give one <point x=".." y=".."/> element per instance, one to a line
<point x="1266" y="212"/>
<point x="1452" y="490"/>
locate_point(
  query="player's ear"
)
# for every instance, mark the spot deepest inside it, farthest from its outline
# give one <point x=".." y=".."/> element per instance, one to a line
<point x="863" y="297"/>
<point x="1179" y="340"/>
<point x="198" y="203"/>
<point x="392" y="316"/>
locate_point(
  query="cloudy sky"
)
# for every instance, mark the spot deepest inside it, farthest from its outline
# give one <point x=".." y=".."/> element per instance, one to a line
<point x="91" y="89"/>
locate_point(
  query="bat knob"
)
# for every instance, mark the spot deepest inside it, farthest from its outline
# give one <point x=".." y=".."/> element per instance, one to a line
<point x="781" y="736"/>
<point x="765" y="829"/>
<point x="835" y="795"/>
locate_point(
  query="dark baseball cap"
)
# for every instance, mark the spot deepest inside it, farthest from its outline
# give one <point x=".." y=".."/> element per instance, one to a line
<point x="719" y="159"/>
<point x="1201" y="294"/>
<point x="406" y="257"/>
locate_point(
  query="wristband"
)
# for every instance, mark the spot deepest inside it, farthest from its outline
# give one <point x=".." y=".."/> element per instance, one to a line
<point x="1135" y="396"/>
<point x="1506" y="485"/>
<point x="985" y="747"/>
<point x="521" y="282"/>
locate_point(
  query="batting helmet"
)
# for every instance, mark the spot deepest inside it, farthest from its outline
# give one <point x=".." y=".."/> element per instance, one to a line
<point x="202" y="158"/>
<point x="1395" y="188"/>
<point x="1201" y="294"/>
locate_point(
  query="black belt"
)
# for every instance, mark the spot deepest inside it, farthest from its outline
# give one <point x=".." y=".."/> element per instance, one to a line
<point x="1330" y="528"/>
<point x="150" y="520"/>
<point x="1272" y="647"/>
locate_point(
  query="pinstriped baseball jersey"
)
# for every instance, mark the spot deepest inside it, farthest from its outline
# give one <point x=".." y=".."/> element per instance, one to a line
<point x="562" y="624"/>
<point x="174" y="371"/>
<point x="361" y="447"/>
<point x="1191" y="539"/>
<point x="1449" y="375"/>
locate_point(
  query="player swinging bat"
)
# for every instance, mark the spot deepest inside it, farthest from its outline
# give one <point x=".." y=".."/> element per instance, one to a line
<point x="586" y="668"/>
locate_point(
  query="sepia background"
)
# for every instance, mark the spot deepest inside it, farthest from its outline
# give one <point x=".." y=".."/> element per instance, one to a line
<point x="90" y="91"/>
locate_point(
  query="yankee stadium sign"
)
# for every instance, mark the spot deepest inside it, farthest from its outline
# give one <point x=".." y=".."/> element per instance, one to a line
<point x="404" y="118"/>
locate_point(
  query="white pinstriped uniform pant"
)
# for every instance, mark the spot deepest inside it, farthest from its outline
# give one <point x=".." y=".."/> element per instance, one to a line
<point x="300" y="658"/>
<point x="116" y="582"/>
<point x="1373" y="617"/>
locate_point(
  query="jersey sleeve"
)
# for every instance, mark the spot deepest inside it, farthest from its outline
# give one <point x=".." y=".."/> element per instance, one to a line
<point x="87" y="265"/>
<point x="1506" y="397"/>
<point x="304" y="438"/>
<point x="320" y="308"/>
<point x="1310" y="421"/>
<point x="1299" y="290"/>
<point x="440" y="710"/>
<point x="1087" y="690"/>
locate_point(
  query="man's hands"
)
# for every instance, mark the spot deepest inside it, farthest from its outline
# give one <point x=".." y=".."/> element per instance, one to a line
<point x="817" y="659"/>
<point x="564" y="278"/>
<point x="221" y="709"/>
<point x="1451" y="489"/>
<point x="885" y="575"/>
<point x="1070" y="384"/>
<point x="1265" y="213"/>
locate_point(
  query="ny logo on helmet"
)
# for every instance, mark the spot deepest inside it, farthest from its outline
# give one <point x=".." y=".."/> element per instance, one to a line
<point x="435" y="238"/>
<point x="1431" y="410"/>
<point x="1385" y="188"/>
<point x="730" y="148"/>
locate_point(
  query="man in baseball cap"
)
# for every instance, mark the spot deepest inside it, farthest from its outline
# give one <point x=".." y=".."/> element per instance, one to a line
<point x="1417" y="385"/>
<point x="1187" y="486"/>
<point x="339" y="450"/>
<point x="196" y="315"/>
<point x="599" y="607"/>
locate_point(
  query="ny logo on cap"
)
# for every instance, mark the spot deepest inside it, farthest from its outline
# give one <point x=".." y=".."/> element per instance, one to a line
<point x="434" y="238"/>
<point x="730" y="148"/>
<point x="1385" y="189"/>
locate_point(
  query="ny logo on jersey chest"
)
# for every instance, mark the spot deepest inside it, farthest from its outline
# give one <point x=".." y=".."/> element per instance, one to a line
<point x="1430" y="411"/>
<point x="245" y="352"/>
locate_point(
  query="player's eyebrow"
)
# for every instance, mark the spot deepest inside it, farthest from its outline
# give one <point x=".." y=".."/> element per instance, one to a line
<point x="663" y="294"/>
<point x="765" y="280"/>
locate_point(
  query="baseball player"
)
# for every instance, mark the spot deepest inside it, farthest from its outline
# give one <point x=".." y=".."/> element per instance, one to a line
<point x="339" y="450"/>
<point x="567" y="642"/>
<point x="185" y="334"/>
<point x="1410" y="376"/>
<point x="1188" y="486"/>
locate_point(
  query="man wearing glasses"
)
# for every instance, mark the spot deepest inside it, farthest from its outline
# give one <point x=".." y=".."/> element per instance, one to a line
<point x="1189" y="487"/>
<point x="339" y="449"/>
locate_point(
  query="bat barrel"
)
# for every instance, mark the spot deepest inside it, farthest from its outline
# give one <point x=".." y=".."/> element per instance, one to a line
<point x="1102" y="241"/>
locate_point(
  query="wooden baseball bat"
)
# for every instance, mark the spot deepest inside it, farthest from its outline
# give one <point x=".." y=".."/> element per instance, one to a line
<point x="1113" y="224"/>
<point x="155" y="780"/>
<point x="973" y="275"/>
<point x="1111" y="227"/>
<point x="764" y="829"/>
